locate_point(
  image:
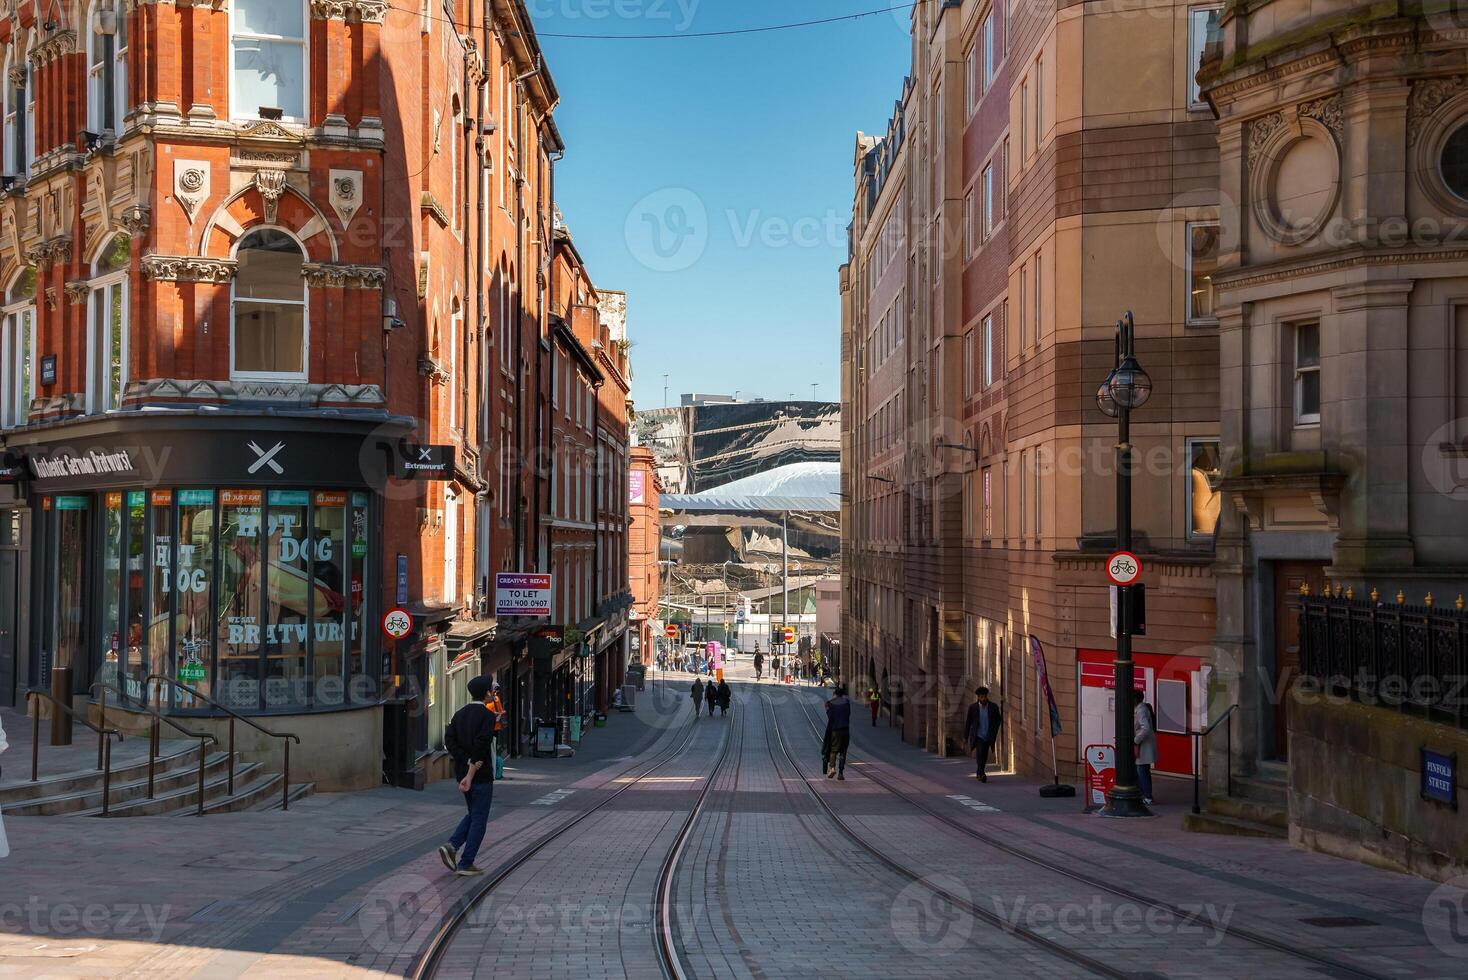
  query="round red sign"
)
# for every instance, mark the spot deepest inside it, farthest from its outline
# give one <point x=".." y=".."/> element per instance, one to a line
<point x="397" y="623"/>
<point x="1123" y="568"/>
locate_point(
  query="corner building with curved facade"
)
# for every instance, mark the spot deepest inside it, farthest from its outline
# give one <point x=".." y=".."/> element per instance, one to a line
<point x="249" y="251"/>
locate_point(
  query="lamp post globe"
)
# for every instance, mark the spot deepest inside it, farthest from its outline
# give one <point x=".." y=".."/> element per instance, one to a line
<point x="1104" y="401"/>
<point x="1130" y="385"/>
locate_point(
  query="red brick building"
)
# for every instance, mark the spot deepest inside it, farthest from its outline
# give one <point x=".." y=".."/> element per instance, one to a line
<point x="646" y="532"/>
<point x="253" y="257"/>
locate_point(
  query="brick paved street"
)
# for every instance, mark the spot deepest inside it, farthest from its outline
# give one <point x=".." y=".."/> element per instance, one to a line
<point x="768" y="882"/>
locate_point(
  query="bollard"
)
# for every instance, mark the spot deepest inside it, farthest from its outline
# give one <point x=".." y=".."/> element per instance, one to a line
<point x="61" y="720"/>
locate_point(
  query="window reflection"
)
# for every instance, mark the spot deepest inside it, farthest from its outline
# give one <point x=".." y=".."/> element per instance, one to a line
<point x="239" y="597"/>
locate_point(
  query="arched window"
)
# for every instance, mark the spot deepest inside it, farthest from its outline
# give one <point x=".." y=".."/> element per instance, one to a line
<point x="269" y="340"/>
<point x="107" y="326"/>
<point x="107" y="67"/>
<point x="18" y="349"/>
<point x="268" y="59"/>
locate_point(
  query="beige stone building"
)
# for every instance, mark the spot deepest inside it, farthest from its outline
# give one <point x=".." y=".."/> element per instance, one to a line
<point x="1343" y="304"/>
<point x="1051" y="181"/>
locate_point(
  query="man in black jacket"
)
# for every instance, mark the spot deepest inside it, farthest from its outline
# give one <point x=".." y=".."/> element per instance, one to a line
<point x="469" y="738"/>
<point x="838" y="733"/>
<point x="981" y="728"/>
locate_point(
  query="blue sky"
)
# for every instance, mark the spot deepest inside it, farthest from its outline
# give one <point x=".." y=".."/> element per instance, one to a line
<point x="710" y="178"/>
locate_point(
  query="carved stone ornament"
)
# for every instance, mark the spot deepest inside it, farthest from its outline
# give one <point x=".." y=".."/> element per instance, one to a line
<point x="136" y="220"/>
<point x="50" y="251"/>
<point x="76" y="292"/>
<point x="188" y="268"/>
<point x="352" y="11"/>
<point x="1326" y="111"/>
<point x="1427" y="96"/>
<point x="270" y="184"/>
<point x="191" y="185"/>
<point x="58" y="45"/>
<point x="17" y="76"/>
<point x="53" y="299"/>
<point x="1260" y="130"/>
<point x="346" y="194"/>
<point x="345" y="276"/>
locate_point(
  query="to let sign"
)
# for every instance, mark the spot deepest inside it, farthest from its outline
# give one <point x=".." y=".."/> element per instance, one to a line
<point x="522" y="594"/>
<point x="1440" y="777"/>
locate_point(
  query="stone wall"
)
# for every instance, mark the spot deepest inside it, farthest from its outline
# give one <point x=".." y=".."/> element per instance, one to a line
<point x="1355" y="787"/>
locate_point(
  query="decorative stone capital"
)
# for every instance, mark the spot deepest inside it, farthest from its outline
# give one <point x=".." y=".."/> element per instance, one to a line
<point x="351" y="11"/>
<point x="57" y="45"/>
<point x="188" y="268"/>
<point x="1427" y="96"/>
<point x="344" y="276"/>
<point x="76" y="292"/>
<point x="52" y="250"/>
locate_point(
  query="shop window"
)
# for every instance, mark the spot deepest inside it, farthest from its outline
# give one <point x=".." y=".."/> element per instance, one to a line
<point x="240" y="592"/>
<point x="198" y="565"/>
<point x="1204" y="498"/>
<point x="1202" y="261"/>
<point x="106" y="67"/>
<point x="268" y="59"/>
<point x="269" y="309"/>
<point x="361" y="678"/>
<point x="328" y="597"/>
<point x="17" y="350"/>
<point x="107" y="327"/>
<point x="289" y="591"/>
<point x="111" y="634"/>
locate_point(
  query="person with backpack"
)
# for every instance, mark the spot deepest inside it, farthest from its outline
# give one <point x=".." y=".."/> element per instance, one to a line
<point x="697" y="698"/>
<point x="1144" y="732"/>
<point x="469" y="739"/>
<point x="724" y="695"/>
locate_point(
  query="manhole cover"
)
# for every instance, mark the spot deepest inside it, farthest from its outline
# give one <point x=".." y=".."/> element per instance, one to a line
<point x="1338" y="922"/>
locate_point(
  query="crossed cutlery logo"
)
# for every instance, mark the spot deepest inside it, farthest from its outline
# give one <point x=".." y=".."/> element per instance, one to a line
<point x="264" y="458"/>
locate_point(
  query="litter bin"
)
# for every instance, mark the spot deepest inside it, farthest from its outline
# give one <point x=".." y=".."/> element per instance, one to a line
<point x="575" y="729"/>
<point x="601" y="720"/>
<point x="545" y="738"/>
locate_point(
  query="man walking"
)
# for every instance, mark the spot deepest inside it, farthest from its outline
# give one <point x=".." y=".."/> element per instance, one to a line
<point x="981" y="729"/>
<point x="469" y="739"/>
<point x="838" y="724"/>
<point x="759" y="664"/>
<point x="697" y="697"/>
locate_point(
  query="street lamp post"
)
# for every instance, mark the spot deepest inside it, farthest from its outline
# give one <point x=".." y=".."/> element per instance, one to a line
<point x="1126" y="388"/>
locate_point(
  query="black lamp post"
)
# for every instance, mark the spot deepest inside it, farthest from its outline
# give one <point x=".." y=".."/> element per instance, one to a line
<point x="1127" y="387"/>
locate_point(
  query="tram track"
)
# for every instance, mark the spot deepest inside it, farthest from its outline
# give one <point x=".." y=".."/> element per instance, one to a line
<point x="1050" y="946"/>
<point x="432" y="956"/>
<point x="1183" y="916"/>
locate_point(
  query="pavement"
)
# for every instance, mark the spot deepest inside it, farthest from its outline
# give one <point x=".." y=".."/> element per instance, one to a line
<point x="954" y="878"/>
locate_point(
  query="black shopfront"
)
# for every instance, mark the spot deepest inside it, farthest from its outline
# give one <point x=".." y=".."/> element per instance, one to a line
<point x="238" y="554"/>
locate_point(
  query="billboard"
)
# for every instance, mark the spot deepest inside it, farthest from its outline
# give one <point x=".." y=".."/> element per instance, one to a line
<point x="522" y="594"/>
<point x="637" y="485"/>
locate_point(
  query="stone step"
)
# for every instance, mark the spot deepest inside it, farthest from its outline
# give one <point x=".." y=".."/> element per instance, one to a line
<point x="170" y="757"/>
<point x="1242" y="808"/>
<point x="183" y="770"/>
<point x="1263" y="791"/>
<point x="186" y="795"/>
<point x="1214" y="823"/>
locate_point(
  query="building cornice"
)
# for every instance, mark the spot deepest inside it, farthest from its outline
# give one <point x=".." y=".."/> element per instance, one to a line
<point x="58" y="45"/>
<point x="1336" y="261"/>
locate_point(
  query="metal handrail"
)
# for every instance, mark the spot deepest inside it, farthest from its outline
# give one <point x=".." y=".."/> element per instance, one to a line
<point x="104" y="741"/>
<point x="1226" y="717"/>
<point x="103" y="687"/>
<point x="285" y="737"/>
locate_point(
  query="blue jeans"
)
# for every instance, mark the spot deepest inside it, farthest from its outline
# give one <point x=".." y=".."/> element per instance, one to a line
<point x="471" y="829"/>
<point x="1144" y="779"/>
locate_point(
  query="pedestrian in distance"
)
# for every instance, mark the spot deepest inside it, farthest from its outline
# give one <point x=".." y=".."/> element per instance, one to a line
<point x="697" y="693"/>
<point x="981" y="729"/>
<point x="759" y="664"/>
<point x="469" y="739"/>
<point x="838" y="722"/>
<point x="711" y="696"/>
<point x="776" y="672"/>
<point x="1144" y="734"/>
<point x="874" y="701"/>
<point x="724" y="696"/>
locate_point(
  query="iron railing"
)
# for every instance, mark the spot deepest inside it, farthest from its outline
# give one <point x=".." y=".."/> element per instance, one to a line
<point x="1227" y="718"/>
<point x="105" y="736"/>
<point x="1391" y="654"/>
<point x="101" y="688"/>
<point x="285" y="737"/>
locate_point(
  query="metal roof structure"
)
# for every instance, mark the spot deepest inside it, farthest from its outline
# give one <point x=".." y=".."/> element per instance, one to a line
<point x="715" y="504"/>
